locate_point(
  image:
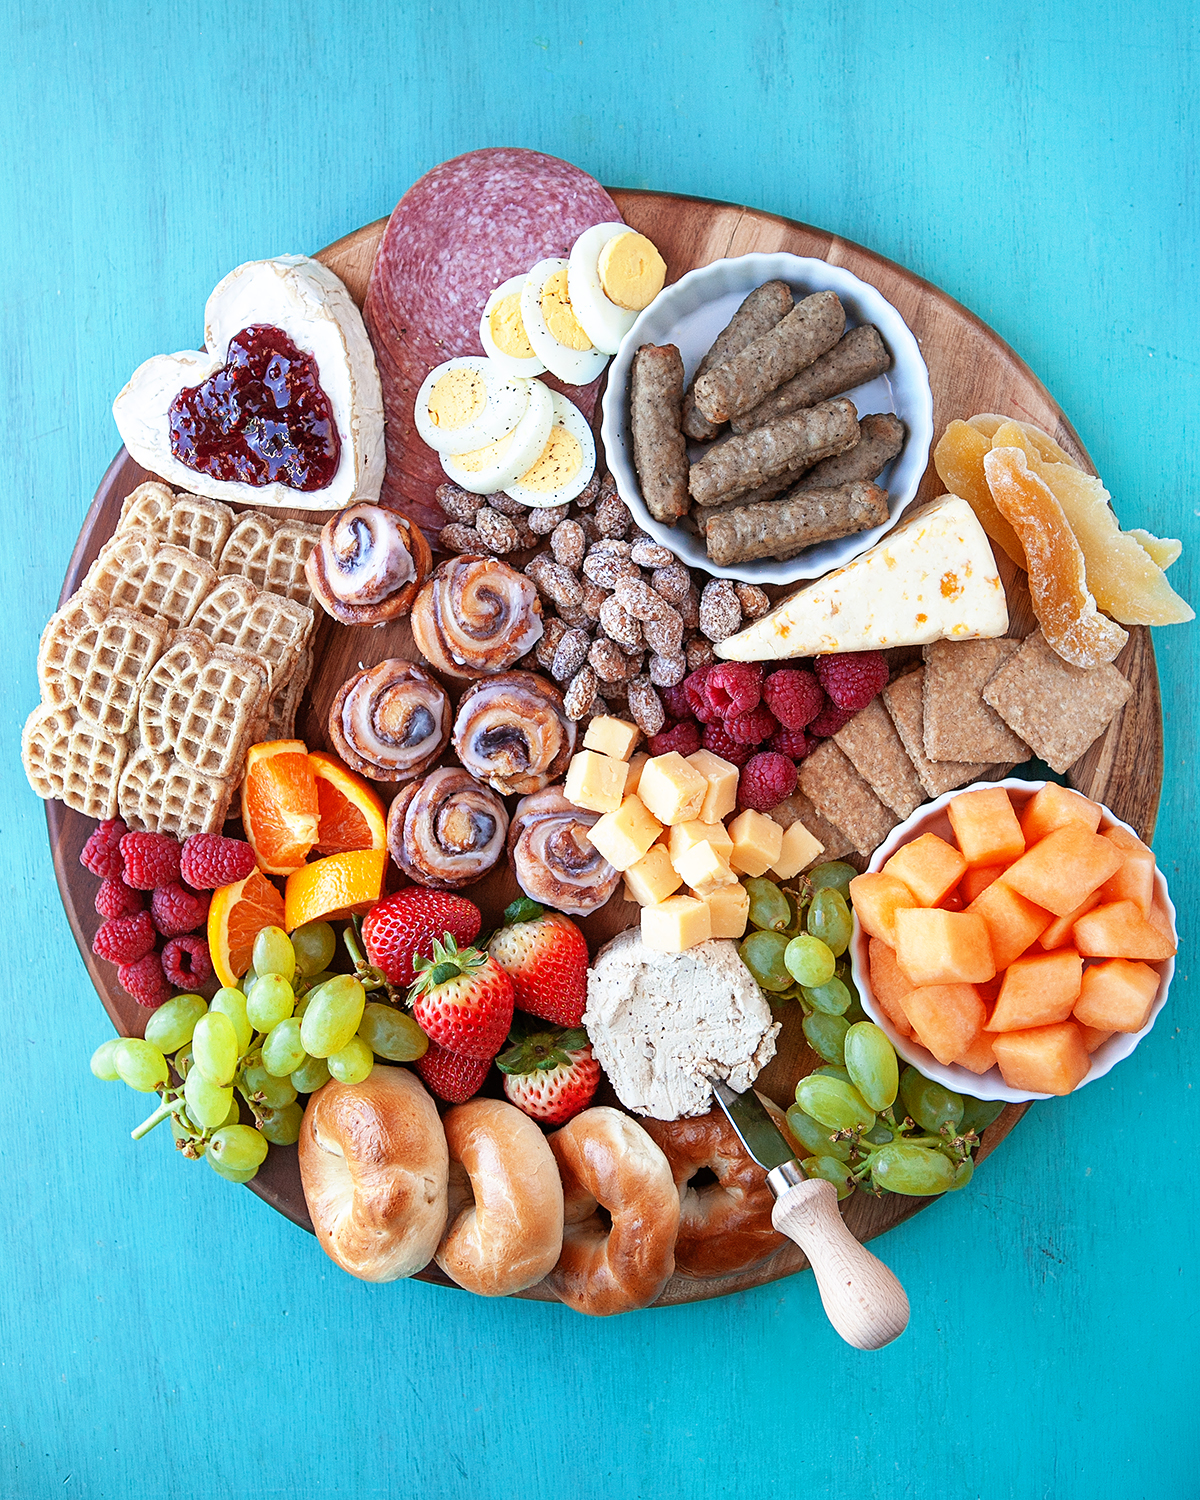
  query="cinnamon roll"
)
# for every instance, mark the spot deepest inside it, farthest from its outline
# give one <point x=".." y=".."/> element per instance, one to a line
<point x="446" y="831"/>
<point x="512" y="731"/>
<point x="367" y="565"/>
<point x="476" y="616"/>
<point x="552" y="858"/>
<point x="390" y="722"/>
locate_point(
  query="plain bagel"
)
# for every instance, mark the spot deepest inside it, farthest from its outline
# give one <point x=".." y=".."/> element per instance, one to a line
<point x="374" y="1165"/>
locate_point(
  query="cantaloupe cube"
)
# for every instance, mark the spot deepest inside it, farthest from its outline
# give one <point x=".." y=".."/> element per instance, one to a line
<point x="1060" y="930"/>
<point x="888" y="984"/>
<point x="1117" y="995"/>
<point x="1125" y="840"/>
<point x="952" y="900"/>
<point x="876" y="899"/>
<point x="943" y="947"/>
<point x="1044" y="1059"/>
<point x="986" y="827"/>
<point x="976" y="881"/>
<point x="1134" y="881"/>
<point x="1038" y="991"/>
<point x="1053" y="806"/>
<point x="946" y="1018"/>
<point x="979" y="1056"/>
<point x="1012" y="922"/>
<point x="1118" y="930"/>
<point x="1092" y="1039"/>
<point x="929" y="867"/>
<point x="1064" y="867"/>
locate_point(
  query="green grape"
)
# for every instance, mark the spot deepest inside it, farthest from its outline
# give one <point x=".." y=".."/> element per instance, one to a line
<point x="215" y="1048"/>
<point x="226" y="1173"/>
<point x="963" y="1172"/>
<point x="929" y="1104"/>
<point x="273" y="953"/>
<point x="234" y="1115"/>
<point x="880" y="1135"/>
<point x="762" y="953"/>
<point x="102" y="1064"/>
<point x="834" y="1104"/>
<point x="391" y="1033"/>
<point x="238" y="1148"/>
<point x="835" y="876"/>
<point x="269" y="1000"/>
<point x="310" y="1076"/>
<point x="826" y="1035"/>
<point x="832" y="1070"/>
<point x="282" y="1126"/>
<point x="333" y="1015"/>
<point x="978" y="1114"/>
<point x="282" y="1050"/>
<point x="208" y="1103"/>
<point x="914" y="1171"/>
<point x="813" y="1137"/>
<point x="769" y="909"/>
<point x="809" y="961"/>
<point x="871" y="1063"/>
<point x="171" y="1025"/>
<point x="351" y="1063"/>
<point x="829" y="919"/>
<point x="247" y="979"/>
<point x="182" y="1061"/>
<point x="138" y="1063"/>
<point x="232" y="1003"/>
<point x="315" y="944"/>
<point x="831" y="998"/>
<point x="276" y="1092"/>
<point x="829" y="1169"/>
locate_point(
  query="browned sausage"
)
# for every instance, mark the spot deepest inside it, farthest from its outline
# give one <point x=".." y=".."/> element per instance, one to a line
<point x="760" y="311"/>
<point x="796" y="441"/>
<point x="781" y="528"/>
<point x="659" y="449"/>
<point x="858" y="357"/>
<point x="812" y="327"/>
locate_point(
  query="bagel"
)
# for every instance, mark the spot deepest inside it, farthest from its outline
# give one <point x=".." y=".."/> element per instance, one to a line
<point x="374" y="1166"/>
<point x="606" y="1158"/>
<point x="506" y="1201"/>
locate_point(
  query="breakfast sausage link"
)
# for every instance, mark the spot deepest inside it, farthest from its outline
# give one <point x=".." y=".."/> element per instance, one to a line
<point x="781" y="528"/>
<point x="659" y="450"/>
<point x="758" y="313"/>
<point x="796" y="441"/>
<point x="858" y="357"/>
<point x="809" y="330"/>
<point x="880" y="438"/>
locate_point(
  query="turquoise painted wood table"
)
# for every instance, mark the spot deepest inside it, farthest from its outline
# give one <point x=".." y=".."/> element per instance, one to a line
<point x="164" y="1334"/>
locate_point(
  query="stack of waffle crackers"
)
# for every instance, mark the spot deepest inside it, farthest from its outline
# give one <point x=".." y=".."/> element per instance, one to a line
<point x="188" y="641"/>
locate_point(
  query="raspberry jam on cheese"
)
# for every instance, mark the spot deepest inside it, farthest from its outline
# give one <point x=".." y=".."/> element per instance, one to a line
<point x="262" y="418"/>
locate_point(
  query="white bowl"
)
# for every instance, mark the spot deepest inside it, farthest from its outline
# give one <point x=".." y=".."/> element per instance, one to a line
<point x="932" y="818"/>
<point x="690" y="314"/>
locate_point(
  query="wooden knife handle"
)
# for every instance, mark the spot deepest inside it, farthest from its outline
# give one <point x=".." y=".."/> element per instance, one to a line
<point x="862" y="1299"/>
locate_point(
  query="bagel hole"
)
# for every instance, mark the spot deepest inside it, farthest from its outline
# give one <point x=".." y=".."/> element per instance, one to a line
<point x="703" y="1177"/>
<point x="604" y="1217"/>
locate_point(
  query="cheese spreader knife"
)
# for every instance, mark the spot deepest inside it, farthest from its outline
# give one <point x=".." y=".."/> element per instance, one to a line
<point x="862" y="1299"/>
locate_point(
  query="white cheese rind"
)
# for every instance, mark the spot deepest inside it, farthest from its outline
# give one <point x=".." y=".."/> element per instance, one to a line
<point x="312" y="306"/>
<point x="933" y="578"/>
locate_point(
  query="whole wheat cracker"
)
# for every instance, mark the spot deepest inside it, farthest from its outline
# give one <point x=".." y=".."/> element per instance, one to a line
<point x="959" y="725"/>
<point x="841" y="795"/>
<point x="903" y="699"/>
<point x="877" y="753"/>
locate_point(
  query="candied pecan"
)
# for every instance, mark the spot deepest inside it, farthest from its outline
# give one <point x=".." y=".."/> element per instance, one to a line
<point x="612" y="515"/>
<point x="581" y="694"/>
<point x="618" y="624"/>
<point x="571" y="654"/>
<point x="553" y="630"/>
<point x="573" y="614"/>
<point x="668" y="671"/>
<point x="720" y="612"/>
<point x="664" y="633"/>
<point x="544" y="519"/>
<point x="608" y="568"/>
<point x="568" y="544"/>
<point x="526" y="536"/>
<point x="646" y="706"/>
<point x="593" y="599"/>
<point x="498" y="532"/>
<point x="458" y="504"/>
<point x="587" y="495"/>
<point x="689" y="607"/>
<point x="648" y="554"/>
<point x="610" y="662"/>
<point x="754" y="601"/>
<point x="672" y="581"/>
<point x="556" y="583"/>
<point x="699" y="653"/>
<point x="505" y="504"/>
<point x="458" y="538"/>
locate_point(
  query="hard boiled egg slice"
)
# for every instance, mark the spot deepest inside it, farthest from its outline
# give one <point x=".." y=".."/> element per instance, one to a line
<point x="467" y="403"/>
<point x="612" y="275"/>
<point x="502" y="331"/>
<point x="553" y="329"/>
<point x="566" y="463"/>
<point x="498" y="464"/>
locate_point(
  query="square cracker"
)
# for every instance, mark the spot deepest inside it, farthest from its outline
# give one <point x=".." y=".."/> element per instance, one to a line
<point x="877" y="753"/>
<point x="959" y="725"/>
<point x="1058" y="709"/>
<point x="903" y="700"/>
<point x="840" y="794"/>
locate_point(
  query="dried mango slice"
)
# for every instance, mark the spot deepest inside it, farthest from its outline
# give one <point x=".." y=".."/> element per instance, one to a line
<point x="989" y="424"/>
<point x="958" y="459"/>
<point x="1163" y="550"/>
<point x="1065" y="609"/>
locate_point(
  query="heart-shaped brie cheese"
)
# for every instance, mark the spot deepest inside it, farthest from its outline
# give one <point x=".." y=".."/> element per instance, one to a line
<point x="306" y="301"/>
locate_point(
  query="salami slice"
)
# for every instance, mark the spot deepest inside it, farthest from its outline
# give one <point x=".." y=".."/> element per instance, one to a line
<point x="457" y="233"/>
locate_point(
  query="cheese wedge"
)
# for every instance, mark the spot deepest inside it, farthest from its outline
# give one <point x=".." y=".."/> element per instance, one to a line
<point x="933" y="578"/>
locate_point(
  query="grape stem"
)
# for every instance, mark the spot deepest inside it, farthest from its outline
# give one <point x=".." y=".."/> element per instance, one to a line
<point x="367" y="974"/>
<point x="167" y="1108"/>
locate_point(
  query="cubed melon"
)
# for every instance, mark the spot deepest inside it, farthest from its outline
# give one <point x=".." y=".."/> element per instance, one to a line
<point x="1117" y="995"/>
<point x="1053" y="806"/>
<point x="1043" y="1059"/>
<point x="979" y="1057"/>
<point x="952" y="900"/>
<point x="976" y="881"/>
<point x="876" y="898"/>
<point x="946" y="1018"/>
<point x="889" y="985"/>
<point x="986" y="826"/>
<point x="1092" y="1039"/>
<point x="943" y="947"/>
<point x="1012" y="922"/>
<point x="1134" y="881"/>
<point x="1119" y="930"/>
<point x="1064" y="867"/>
<point x="929" y="867"/>
<point x="1124" y="839"/>
<point x="1038" y="991"/>
<point x="1060" y="930"/>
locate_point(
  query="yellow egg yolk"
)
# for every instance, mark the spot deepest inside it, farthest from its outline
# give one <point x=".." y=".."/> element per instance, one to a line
<point x="483" y="458"/>
<point x="559" y="462"/>
<point x="507" y="330"/>
<point x="632" y="272"/>
<point x="556" y="310"/>
<point x="457" y="398"/>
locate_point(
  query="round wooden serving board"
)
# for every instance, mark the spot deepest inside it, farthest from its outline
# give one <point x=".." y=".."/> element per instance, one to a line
<point x="970" y="370"/>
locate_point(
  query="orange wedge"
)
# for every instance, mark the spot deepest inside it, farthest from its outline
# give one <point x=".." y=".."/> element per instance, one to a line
<point x="280" y="811"/>
<point x="236" y="915"/>
<point x="351" y="816"/>
<point x="337" y="886"/>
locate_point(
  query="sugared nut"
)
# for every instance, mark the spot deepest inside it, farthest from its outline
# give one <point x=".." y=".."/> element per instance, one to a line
<point x="527" y="538"/>
<point x="618" y="624"/>
<point x="543" y="519"/>
<point x="554" y="582"/>
<point x="699" y="653"/>
<point x="568" y="543"/>
<point x="612" y="515"/>
<point x="611" y="664"/>
<point x="672" y="581"/>
<point x="649" y="554"/>
<point x="608" y="568"/>
<point x="646" y="706"/>
<point x="587" y="496"/>
<point x="505" y="504"/>
<point x="498" y="532"/>
<point x="668" y="671"/>
<point x="754" y="601"/>
<point x="460" y="538"/>
<point x="570" y="655"/>
<point x="720" y="612"/>
<point x="663" y="632"/>
<point x="459" y="504"/>
<point x="593" y="599"/>
<point x="553" y="630"/>
<point x="581" y="694"/>
<point x="689" y="608"/>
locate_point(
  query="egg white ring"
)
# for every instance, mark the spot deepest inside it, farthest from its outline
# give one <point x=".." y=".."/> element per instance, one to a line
<point x="568" y="415"/>
<point x="571" y="366"/>
<point x="507" y="402"/>
<point x="601" y="319"/>
<point x="508" y="363"/>
<point x="528" y="440"/>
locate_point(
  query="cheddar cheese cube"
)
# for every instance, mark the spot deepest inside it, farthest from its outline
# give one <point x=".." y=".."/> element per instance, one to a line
<point x="757" y="842"/>
<point x="704" y="868"/>
<point x="798" y="849"/>
<point x="595" y="781"/>
<point x="722" y="777"/>
<point x="673" y="790"/>
<point x="729" y="910"/>
<point x="677" y="923"/>
<point x="652" y="878"/>
<point x="611" y="736"/>
<point x="634" y="774"/>
<point x="623" y="836"/>
<point x="684" y="836"/>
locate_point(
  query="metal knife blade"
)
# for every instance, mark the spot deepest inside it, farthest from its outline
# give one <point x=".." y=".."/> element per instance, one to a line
<point x="756" y="1130"/>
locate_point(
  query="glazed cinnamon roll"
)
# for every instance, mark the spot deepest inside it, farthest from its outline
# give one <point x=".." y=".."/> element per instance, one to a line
<point x="512" y="731"/>
<point x="476" y="616"/>
<point x="551" y="857"/>
<point x="367" y="565"/>
<point x="446" y="831"/>
<point x="390" y="722"/>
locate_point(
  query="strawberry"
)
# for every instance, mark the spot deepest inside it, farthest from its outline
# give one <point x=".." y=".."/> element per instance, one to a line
<point x="551" y="1075"/>
<point x="402" y="927"/>
<point x="450" y="1075"/>
<point x="546" y="957"/>
<point x="462" y="1000"/>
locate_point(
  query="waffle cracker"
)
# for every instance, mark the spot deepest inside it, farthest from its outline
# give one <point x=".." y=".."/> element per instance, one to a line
<point x="267" y="625"/>
<point x="137" y="570"/>
<point x="201" y="702"/>
<point x="82" y="610"/>
<point x="158" y="795"/>
<point x="190" y="521"/>
<point x="271" y="554"/>
<point x="107" y="664"/>
<point x="281" y="718"/>
<point x="67" y="758"/>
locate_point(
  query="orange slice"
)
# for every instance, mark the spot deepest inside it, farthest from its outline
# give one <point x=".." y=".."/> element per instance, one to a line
<point x="236" y="915"/>
<point x="337" y="886"/>
<point x="280" y="810"/>
<point x="350" y="813"/>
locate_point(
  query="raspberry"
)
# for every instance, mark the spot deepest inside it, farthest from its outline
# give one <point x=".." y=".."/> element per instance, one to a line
<point x="719" y="742"/>
<point x="123" y="940"/>
<point x="102" y="852"/>
<point x="852" y="678"/>
<point x="177" y="910"/>
<point x="676" y="701"/>
<point x="145" y="981"/>
<point x="734" y="688"/>
<point x="752" y="728"/>
<point x="766" y="780"/>
<point x="698" y="703"/>
<point x="187" y="963"/>
<point x="150" y="859"/>
<point x="794" y="697"/>
<point x="793" y="743"/>
<point x="829" y="721"/>
<point x="209" y="861"/>
<point x="684" y="737"/>
<point x="116" y="899"/>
